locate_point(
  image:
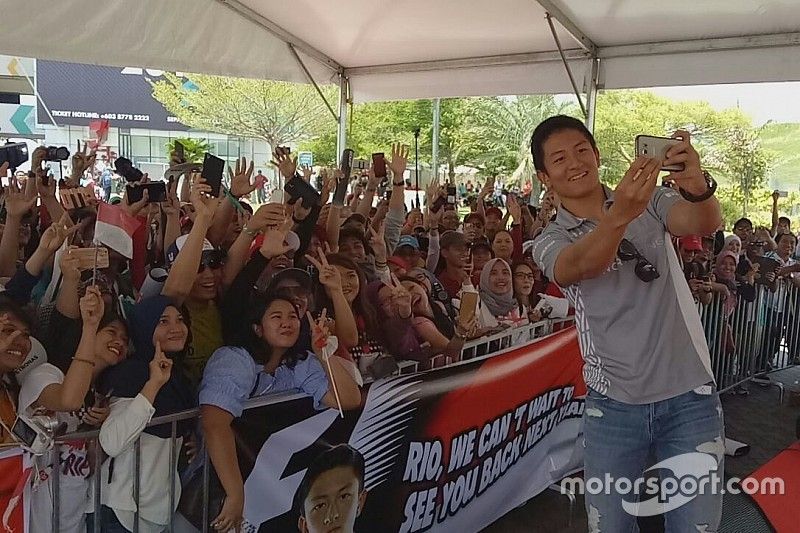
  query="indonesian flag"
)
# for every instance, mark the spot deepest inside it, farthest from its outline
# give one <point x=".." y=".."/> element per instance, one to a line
<point x="99" y="129"/>
<point x="115" y="228"/>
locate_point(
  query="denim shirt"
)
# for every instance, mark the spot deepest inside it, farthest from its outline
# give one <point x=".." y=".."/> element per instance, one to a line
<point x="232" y="376"/>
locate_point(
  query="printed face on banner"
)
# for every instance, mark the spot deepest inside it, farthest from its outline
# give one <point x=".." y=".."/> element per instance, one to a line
<point x="333" y="503"/>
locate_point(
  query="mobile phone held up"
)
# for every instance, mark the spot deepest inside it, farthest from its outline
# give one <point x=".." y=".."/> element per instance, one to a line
<point x="650" y="146"/>
<point x="213" y="167"/>
<point x="15" y="154"/>
<point x="298" y="188"/>
<point x="156" y="192"/>
<point x="379" y="165"/>
<point x="341" y="185"/>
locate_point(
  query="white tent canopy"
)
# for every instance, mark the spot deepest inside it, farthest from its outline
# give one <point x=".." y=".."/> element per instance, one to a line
<point x="423" y="48"/>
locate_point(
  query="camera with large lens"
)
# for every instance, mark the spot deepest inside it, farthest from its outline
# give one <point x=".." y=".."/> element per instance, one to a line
<point x="38" y="433"/>
<point x="56" y="153"/>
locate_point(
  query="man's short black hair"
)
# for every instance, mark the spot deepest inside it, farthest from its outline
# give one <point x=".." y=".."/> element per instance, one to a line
<point x="550" y="126"/>
<point x="341" y="455"/>
<point x="785" y="219"/>
<point x="743" y="220"/>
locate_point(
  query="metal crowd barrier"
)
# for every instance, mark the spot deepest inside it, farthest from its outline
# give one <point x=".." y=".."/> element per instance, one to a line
<point x="755" y="339"/>
<point x="482" y="347"/>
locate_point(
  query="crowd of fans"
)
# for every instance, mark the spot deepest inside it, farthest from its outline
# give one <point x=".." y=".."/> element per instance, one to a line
<point x="755" y="273"/>
<point x="220" y="302"/>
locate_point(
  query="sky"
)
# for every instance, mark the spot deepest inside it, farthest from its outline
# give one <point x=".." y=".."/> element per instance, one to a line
<point x="762" y="101"/>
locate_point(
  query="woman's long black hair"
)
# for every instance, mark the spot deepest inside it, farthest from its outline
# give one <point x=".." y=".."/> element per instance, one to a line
<point x="256" y="346"/>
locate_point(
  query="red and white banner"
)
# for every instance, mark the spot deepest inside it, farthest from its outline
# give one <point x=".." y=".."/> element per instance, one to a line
<point x="452" y="449"/>
<point x="15" y="470"/>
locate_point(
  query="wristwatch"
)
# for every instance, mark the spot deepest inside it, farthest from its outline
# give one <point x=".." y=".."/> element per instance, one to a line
<point x="712" y="187"/>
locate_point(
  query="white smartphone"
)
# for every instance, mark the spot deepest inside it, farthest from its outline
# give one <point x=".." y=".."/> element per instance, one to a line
<point x="650" y="146"/>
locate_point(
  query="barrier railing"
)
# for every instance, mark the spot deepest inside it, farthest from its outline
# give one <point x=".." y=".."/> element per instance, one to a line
<point x="483" y="347"/>
<point x="755" y="338"/>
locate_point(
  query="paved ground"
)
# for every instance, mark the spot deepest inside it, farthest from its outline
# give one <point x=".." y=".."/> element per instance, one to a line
<point x="757" y="419"/>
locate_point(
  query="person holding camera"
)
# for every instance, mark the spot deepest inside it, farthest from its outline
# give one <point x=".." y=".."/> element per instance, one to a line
<point x="647" y="365"/>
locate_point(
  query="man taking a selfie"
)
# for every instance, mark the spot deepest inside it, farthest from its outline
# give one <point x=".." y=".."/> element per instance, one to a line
<point x="647" y="366"/>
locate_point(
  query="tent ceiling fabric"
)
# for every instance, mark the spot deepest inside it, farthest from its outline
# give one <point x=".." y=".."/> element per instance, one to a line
<point x="421" y="48"/>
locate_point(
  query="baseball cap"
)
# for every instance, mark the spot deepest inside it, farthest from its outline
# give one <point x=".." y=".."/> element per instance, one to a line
<point x="691" y="242"/>
<point x="408" y="240"/>
<point x="302" y="278"/>
<point x="452" y="238"/>
<point x="209" y="253"/>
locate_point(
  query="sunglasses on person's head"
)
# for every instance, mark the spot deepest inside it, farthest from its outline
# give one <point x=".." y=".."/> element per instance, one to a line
<point x="645" y="270"/>
<point x="214" y="261"/>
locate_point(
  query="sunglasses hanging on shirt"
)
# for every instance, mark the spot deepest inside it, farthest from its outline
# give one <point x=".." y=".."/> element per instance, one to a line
<point x="645" y="270"/>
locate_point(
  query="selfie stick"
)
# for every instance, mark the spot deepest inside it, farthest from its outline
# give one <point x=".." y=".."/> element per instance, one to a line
<point x="330" y="346"/>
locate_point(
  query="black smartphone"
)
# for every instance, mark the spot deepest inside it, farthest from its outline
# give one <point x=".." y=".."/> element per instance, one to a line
<point x="156" y="192"/>
<point x="347" y="163"/>
<point x="297" y="187"/>
<point x="180" y="152"/>
<point x="14" y="154"/>
<point x="451" y="194"/>
<point x="125" y="168"/>
<point x="379" y="165"/>
<point x="213" y="167"/>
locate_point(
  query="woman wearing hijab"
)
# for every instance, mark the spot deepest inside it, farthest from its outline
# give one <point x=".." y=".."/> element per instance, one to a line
<point x="725" y="272"/>
<point x="733" y="244"/>
<point x="152" y="383"/>
<point x="496" y="303"/>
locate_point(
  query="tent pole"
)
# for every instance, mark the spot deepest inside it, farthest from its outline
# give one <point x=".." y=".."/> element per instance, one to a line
<point x="341" y="137"/>
<point x="591" y="94"/>
<point x="566" y="65"/>
<point x="312" y="81"/>
<point x="437" y="112"/>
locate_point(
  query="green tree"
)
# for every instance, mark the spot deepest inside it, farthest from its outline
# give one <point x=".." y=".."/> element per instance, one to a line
<point x="193" y="149"/>
<point x="746" y="163"/>
<point x="275" y="111"/>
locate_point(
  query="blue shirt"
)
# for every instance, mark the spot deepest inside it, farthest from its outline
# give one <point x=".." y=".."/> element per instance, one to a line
<point x="232" y="376"/>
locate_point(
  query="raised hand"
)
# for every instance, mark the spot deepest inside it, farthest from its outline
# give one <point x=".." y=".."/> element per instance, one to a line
<point x="320" y="331"/>
<point x="70" y="265"/>
<point x="514" y="209"/>
<point x="401" y="298"/>
<point x="160" y="367"/>
<point x="268" y="215"/>
<point x="307" y="172"/>
<point x="172" y="207"/>
<point x="240" y="178"/>
<point x="204" y="204"/>
<point x="18" y="201"/>
<point x="275" y="240"/>
<point x="399" y="161"/>
<point x="635" y="190"/>
<point x="329" y="275"/>
<point x="92" y="307"/>
<point x="286" y="163"/>
<point x="691" y="178"/>
<point x="377" y="241"/>
<point x="488" y="187"/>
<point x="81" y="160"/>
<point x="53" y="237"/>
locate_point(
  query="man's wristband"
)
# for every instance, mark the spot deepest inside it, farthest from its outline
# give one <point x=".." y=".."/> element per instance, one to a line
<point x="249" y="232"/>
<point x="696" y="198"/>
<point x="401" y="184"/>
